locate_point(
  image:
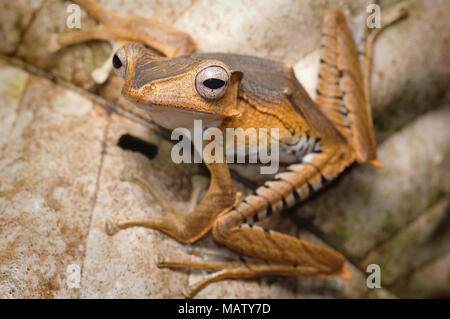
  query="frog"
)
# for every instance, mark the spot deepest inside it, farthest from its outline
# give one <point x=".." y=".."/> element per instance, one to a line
<point x="318" y="140"/>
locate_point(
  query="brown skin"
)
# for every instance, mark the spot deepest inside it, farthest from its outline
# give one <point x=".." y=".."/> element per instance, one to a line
<point x="257" y="93"/>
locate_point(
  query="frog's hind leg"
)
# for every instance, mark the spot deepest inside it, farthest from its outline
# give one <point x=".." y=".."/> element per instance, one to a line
<point x="343" y="89"/>
<point x="285" y="255"/>
<point x="240" y="270"/>
<point x="370" y="35"/>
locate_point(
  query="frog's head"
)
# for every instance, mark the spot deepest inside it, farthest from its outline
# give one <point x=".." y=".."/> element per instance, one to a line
<point x="177" y="90"/>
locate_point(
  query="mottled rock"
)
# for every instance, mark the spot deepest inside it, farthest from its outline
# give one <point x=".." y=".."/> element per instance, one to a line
<point x="281" y="30"/>
<point x="430" y="281"/>
<point x="12" y="85"/>
<point x="15" y="17"/>
<point x="48" y="177"/>
<point x="426" y="238"/>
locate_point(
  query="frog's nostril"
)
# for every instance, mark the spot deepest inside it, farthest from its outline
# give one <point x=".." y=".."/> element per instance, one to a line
<point x="116" y="62"/>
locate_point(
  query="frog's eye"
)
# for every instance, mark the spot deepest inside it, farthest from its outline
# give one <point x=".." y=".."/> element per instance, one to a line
<point x="119" y="62"/>
<point x="212" y="82"/>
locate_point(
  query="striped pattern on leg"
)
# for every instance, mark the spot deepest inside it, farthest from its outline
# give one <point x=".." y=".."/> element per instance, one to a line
<point x="299" y="182"/>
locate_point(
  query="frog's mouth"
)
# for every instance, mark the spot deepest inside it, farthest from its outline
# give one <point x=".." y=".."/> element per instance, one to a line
<point x="172" y="117"/>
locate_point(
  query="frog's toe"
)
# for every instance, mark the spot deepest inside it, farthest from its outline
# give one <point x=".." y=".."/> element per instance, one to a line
<point x="189" y="293"/>
<point x="111" y="226"/>
<point x="100" y="75"/>
<point x="129" y="175"/>
<point x="161" y="262"/>
<point x="53" y="43"/>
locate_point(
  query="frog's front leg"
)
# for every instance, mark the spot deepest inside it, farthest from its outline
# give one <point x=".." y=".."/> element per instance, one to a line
<point x="188" y="228"/>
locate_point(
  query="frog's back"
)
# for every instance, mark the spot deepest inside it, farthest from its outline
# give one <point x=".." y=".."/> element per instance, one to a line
<point x="272" y="88"/>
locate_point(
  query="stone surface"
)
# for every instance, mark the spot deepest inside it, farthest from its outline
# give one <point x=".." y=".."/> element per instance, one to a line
<point x="12" y="85"/>
<point x="15" y="17"/>
<point x="282" y="30"/>
<point x="48" y="176"/>
<point x="430" y="281"/>
<point x="408" y="81"/>
<point x="426" y="238"/>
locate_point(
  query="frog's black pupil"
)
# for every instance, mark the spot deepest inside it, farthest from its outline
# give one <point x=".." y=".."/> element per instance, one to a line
<point x="213" y="83"/>
<point x="116" y="61"/>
